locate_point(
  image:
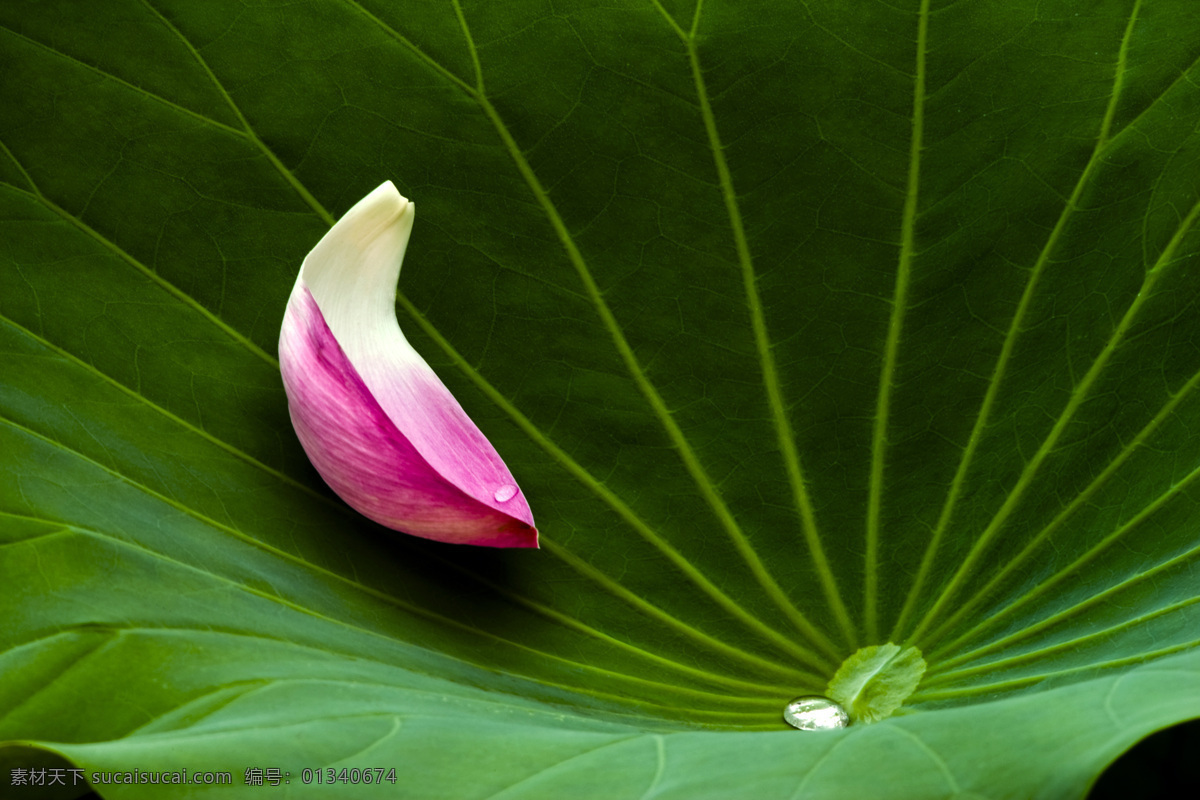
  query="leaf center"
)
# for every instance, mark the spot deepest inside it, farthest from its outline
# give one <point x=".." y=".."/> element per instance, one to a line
<point x="875" y="681"/>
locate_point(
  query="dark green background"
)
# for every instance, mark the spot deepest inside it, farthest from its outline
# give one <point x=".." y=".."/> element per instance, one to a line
<point x="720" y="283"/>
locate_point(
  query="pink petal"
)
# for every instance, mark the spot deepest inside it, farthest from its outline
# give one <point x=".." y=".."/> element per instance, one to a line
<point x="377" y="423"/>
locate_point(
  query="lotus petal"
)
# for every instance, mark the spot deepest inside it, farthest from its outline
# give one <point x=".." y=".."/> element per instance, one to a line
<point x="380" y="427"/>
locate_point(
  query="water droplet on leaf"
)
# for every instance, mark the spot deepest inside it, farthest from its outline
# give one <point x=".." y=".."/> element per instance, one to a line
<point x="505" y="493"/>
<point x="815" y="713"/>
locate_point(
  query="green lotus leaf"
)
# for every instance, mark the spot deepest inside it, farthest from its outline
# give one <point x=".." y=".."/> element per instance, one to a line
<point x="804" y="328"/>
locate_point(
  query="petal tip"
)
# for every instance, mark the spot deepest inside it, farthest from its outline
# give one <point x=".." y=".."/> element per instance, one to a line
<point x="386" y="193"/>
<point x="518" y="536"/>
<point x="533" y="540"/>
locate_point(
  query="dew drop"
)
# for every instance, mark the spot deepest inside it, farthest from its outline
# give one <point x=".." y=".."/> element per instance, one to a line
<point x="505" y="493"/>
<point x="815" y="713"/>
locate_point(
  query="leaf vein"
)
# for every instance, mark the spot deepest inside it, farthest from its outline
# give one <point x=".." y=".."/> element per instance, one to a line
<point x="286" y="173"/>
<point x="887" y="374"/>
<point x="998" y="372"/>
<point x="774" y="391"/>
<point x="653" y="398"/>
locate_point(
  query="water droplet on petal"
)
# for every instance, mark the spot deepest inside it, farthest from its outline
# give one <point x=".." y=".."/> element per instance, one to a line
<point x="815" y="713"/>
<point x="505" y="493"/>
